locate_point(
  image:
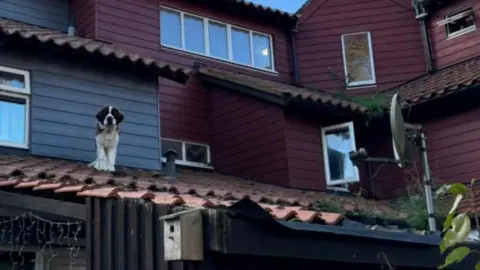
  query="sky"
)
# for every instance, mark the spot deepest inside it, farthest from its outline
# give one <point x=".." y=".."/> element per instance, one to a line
<point x="285" y="5"/>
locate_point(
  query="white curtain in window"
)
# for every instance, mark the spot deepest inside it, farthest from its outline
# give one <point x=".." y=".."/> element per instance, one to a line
<point x="12" y="122"/>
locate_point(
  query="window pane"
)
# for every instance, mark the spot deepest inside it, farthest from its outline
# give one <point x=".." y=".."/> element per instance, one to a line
<point x="261" y="51"/>
<point x="339" y="144"/>
<point x="194" y="34"/>
<point x="357" y="58"/>
<point x="12" y="120"/>
<point x="218" y="40"/>
<point x="177" y="146"/>
<point x="170" y="28"/>
<point x="12" y="79"/>
<point x="241" y="46"/>
<point x="196" y="153"/>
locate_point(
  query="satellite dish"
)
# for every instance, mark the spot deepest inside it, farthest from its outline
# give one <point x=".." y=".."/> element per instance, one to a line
<point x="399" y="133"/>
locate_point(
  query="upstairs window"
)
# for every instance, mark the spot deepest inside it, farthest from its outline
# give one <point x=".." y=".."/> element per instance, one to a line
<point x="14" y="107"/>
<point x="188" y="153"/>
<point x="459" y="23"/>
<point x="221" y="41"/>
<point x="337" y="142"/>
<point x="358" y="59"/>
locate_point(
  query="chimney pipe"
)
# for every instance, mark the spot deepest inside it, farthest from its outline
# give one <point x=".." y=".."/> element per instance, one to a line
<point x="71" y="26"/>
<point x="170" y="169"/>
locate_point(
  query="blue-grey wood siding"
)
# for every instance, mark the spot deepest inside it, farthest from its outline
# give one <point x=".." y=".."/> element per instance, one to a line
<point x="47" y="13"/>
<point x="65" y="99"/>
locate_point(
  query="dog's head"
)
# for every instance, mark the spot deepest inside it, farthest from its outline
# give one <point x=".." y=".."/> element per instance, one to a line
<point x="109" y="116"/>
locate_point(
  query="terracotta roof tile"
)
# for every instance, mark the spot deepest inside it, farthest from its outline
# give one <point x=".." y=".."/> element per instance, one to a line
<point x="279" y="89"/>
<point x="35" y="33"/>
<point x="440" y="83"/>
<point x="191" y="188"/>
<point x="262" y="8"/>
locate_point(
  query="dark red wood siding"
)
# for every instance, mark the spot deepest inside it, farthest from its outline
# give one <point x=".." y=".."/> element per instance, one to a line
<point x="83" y="12"/>
<point x="450" y="51"/>
<point x="397" y="43"/>
<point x="185" y="110"/>
<point x="249" y="138"/>
<point x="454" y="147"/>
<point x="305" y="159"/>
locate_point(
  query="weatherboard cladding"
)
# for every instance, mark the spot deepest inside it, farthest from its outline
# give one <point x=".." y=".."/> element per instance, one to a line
<point x="46" y="13"/>
<point x="65" y="99"/>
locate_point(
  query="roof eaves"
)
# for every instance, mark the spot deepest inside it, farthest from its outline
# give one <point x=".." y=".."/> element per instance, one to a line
<point x="14" y="29"/>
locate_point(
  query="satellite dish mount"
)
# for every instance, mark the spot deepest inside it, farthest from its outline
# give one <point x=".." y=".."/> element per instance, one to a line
<point x="405" y="138"/>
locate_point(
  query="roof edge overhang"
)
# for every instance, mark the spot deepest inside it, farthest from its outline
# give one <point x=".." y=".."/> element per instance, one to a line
<point x="271" y="98"/>
<point x="285" y="100"/>
<point x="245" y="229"/>
<point x="33" y="44"/>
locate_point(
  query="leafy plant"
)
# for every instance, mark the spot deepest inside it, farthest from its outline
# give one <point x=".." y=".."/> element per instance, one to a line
<point x="456" y="227"/>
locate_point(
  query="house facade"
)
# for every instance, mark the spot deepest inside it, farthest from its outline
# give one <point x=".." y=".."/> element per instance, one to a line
<point x="263" y="101"/>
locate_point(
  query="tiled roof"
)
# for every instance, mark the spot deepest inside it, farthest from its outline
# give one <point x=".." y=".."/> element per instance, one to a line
<point x="262" y="8"/>
<point x="56" y="38"/>
<point x="281" y="90"/>
<point x="190" y="188"/>
<point x="440" y="83"/>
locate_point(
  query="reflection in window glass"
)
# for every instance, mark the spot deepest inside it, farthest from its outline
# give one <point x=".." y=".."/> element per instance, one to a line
<point x="12" y="120"/>
<point x="12" y="79"/>
<point x="170" y="28"/>
<point x="339" y="144"/>
<point x="261" y="51"/>
<point x="196" y="153"/>
<point x="177" y="146"/>
<point x="218" y="40"/>
<point x="194" y="34"/>
<point x="358" y="60"/>
<point x="241" y="46"/>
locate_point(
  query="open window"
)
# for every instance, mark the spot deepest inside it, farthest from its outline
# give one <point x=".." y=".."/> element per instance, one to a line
<point x="338" y="141"/>
<point x="188" y="153"/>
<point x="14" y="107"/>
<point x="459" y="23"/>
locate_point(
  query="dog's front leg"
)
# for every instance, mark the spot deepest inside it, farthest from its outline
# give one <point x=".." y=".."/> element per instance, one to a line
<point x="101" y="162"/>
<point x="111" y="156"/>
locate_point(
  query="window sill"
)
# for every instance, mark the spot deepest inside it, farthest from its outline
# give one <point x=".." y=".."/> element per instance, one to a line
<point x="220" y="60"/>
<point x="190" y="164"/>
<point x="461" y="32"/>
<point x="354" y="87"/>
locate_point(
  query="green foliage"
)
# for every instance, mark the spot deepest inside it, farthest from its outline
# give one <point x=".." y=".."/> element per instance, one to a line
<point x="415" y="207"/>
<point x="327" y="206"/>
<point x="456" y="256"/>
<point x="376" y="105"/>
<point x="456" y="227"/>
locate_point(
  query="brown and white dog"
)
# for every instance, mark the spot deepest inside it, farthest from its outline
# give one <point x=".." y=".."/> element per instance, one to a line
<point x="107" y="138"/>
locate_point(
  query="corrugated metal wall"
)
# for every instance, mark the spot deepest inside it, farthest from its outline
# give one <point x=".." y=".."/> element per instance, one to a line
<point x="125" y="235"/>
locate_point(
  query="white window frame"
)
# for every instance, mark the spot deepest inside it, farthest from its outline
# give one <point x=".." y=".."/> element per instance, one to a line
<point x="372" y="61"/>
<point x="24" y="94"/>
<point x="452" y="18"/>
<point x="351" y="131"/>
<point x="229" y="40"/>
<point x="184" y="161"/>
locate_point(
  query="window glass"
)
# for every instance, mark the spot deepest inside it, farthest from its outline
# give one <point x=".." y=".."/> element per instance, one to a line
<point x="177" y="146"/>
<point x="170" y="28"/>
<point x="358" y="60"/>
<point x="339" y="144"/>
<point x="196" y="153"/>
<point x="218" y="40"/>
<point x="12" y="120"/>
<point x="261" y="51"/>
<point x="194" y="34"/>
<point x="12" y="79"/>
<point x="241" y="46"/>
